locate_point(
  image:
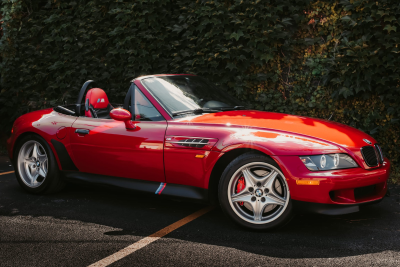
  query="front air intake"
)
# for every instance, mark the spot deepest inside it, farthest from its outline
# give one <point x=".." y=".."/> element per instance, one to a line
<point x="369" y="156"/>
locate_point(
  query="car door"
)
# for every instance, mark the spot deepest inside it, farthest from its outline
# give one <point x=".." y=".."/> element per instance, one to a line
<point x="106" y="147"/>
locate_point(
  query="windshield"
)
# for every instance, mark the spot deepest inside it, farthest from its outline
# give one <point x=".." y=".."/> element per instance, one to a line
<point x="189" y="93"/>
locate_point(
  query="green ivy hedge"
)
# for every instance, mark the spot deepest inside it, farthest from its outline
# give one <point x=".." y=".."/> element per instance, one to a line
<point x="312" y="58"/>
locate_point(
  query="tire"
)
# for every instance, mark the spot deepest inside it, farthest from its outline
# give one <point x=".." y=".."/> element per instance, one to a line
<point x="48" y="177"/>
<point x="259" y="183"/>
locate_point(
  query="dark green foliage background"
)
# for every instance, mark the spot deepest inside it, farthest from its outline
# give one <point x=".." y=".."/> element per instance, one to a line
<point x="312" y="58"/>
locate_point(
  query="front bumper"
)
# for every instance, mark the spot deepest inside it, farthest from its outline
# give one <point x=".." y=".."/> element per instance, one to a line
<point x="340" y="187"/>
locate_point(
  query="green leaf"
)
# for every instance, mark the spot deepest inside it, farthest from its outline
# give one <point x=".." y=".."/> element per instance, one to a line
<point x="349" y="20"/>
<point x="346" y="18"/>
<point x="389" y="28"/>
<point x="236" y="35"/>
<point x="230" y="66"/>
<point x="266" y="57"/>
<point x="381" y="12"/>
<point x="286" y="21"/>
<point x="346" y="92"/>
<point x="391" y="18"/>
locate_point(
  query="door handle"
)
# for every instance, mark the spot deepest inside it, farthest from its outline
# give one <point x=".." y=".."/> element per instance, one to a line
<point x="82" y="131"/>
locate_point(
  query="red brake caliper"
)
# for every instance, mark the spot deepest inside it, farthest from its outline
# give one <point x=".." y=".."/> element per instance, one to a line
<point x="240" y="186"/>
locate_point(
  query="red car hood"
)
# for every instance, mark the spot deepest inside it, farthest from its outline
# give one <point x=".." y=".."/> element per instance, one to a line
<point x="327" y="130"/>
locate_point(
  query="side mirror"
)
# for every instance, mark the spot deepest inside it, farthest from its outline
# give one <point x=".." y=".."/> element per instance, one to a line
<point x="120" y="114"/>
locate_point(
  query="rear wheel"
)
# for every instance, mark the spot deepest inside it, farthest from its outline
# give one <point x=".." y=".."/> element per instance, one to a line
<point x="36" y="168"/>
<point x="254" y="193"/>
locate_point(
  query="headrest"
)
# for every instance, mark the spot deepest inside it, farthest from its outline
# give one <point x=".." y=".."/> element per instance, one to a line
<point x="97" y="98"/>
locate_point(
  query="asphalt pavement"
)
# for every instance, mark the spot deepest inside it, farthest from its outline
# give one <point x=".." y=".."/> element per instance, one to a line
<point x="85" y="224"/>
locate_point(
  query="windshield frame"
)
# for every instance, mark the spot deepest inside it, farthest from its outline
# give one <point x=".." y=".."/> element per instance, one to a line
<point x="171" y="113"/>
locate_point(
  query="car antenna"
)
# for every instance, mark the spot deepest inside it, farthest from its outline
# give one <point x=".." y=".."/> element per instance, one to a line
<point x="330" y="117"/>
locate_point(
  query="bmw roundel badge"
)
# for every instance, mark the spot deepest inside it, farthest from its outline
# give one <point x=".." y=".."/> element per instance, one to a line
<point x="367" y="141"/>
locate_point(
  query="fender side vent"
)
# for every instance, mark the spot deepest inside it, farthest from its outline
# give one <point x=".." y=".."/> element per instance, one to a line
<point x="188" y="142"/>
<point x="199" y="143"/>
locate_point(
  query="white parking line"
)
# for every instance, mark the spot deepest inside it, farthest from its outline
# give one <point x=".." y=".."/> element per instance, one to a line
<point x="150" y="239"/>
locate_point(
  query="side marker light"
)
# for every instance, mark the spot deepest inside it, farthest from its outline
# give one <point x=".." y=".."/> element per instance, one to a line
<point x="307" y="182"/>
<point x="200" y="156"/>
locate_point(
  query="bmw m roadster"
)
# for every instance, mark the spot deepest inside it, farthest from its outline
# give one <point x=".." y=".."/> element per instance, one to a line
<point x="181" y="136"/>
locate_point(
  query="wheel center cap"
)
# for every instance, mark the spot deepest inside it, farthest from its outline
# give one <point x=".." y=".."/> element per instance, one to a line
<point x="258" y="192"/>
<point x="37" y="164"/>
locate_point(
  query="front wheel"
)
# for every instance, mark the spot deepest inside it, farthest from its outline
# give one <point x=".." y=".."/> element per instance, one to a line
<point x="254" y="193"/>
<point x="36" y="167"/>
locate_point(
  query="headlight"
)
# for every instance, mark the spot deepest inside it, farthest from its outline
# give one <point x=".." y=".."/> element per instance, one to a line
<point x="328" y="162"/>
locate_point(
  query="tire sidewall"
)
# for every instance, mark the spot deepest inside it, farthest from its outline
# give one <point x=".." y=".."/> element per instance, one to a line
<point x="225" y="202"/>
<point x="52" y="170"/>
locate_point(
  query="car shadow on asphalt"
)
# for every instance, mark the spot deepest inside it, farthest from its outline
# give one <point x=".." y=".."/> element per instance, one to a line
<point x="375" y="228"/>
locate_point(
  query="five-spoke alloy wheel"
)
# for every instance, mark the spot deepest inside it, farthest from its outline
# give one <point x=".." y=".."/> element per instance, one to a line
<point x="36" y="168"/>
<point x="32" y="163"/>
<point x="254" y="193"/>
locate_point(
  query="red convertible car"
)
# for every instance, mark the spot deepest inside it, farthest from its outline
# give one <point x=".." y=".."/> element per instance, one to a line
<point x="179" y="135"/>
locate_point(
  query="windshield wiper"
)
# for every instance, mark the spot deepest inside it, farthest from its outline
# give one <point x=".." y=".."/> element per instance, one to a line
<point x="207" y="110"/>
<point x="232" y="108"/>
<point x="196" y="111"/>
